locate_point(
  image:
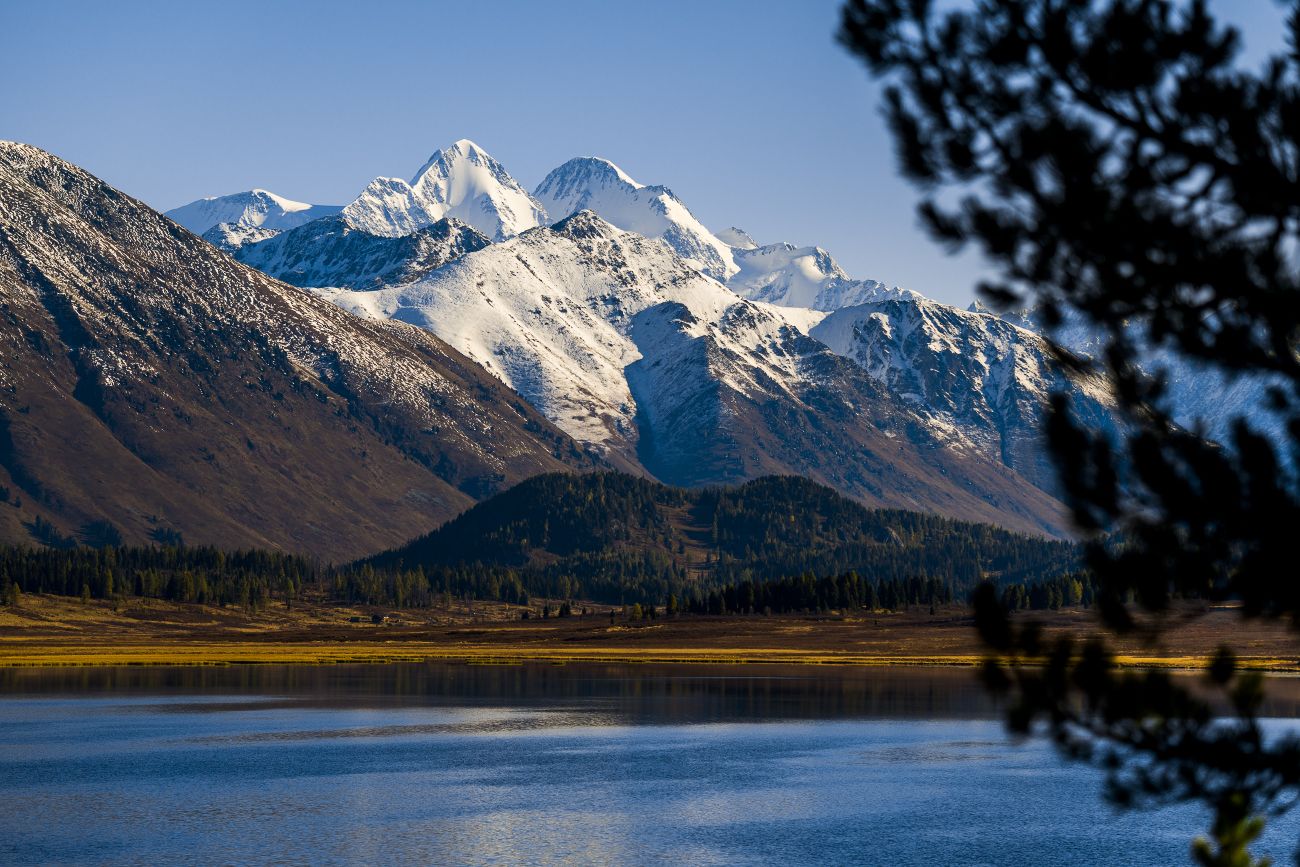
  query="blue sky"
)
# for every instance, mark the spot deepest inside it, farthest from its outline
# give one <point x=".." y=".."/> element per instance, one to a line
<point x="749" y="111"/>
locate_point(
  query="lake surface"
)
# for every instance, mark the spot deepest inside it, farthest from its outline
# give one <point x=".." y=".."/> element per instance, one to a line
<point x="454" y="764"/>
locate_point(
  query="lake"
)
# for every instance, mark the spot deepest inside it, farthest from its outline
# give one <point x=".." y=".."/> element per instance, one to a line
<point x="544" y="764"/>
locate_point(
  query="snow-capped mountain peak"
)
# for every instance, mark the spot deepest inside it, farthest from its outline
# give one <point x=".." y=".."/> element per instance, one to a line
<point x="596" y="184"/>
<point x="460" y="149"/>
<point x="575" y="185"/>
<point x="461" y="181"/>
<point x="254" y="208"/>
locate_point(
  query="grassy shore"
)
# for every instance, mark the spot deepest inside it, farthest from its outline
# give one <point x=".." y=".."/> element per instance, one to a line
<point x="45" y="630"/>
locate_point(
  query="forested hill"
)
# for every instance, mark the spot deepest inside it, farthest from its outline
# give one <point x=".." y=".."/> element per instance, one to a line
<point x="612" y="536"/>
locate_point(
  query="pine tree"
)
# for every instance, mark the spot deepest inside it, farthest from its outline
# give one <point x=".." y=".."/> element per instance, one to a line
<point x="1121" y="167"/>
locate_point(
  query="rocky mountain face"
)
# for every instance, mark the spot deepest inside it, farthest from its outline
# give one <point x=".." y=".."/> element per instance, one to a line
<point x="979" y="382"/>
<point x="462" y="181"/>
<point x="621" y="343"/>
<point x="332" y="252"/>
<point x="149" y="381"/>
<point x="252" y="209"/>
<point x="229" y="237"/>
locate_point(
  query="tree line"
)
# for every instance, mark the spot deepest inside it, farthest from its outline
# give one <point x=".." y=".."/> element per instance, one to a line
<point x="254" y="579"/>
<point x="199" y="574"/>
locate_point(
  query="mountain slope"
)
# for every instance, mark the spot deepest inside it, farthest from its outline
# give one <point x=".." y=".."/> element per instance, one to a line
<point x="979" y="382"/>
<point x="618" y="538"/>
<point x="255" y="208"/>
<point x="462" y="181"/>
<point x="149" y="381"/>
<point x="332" y="252"/>
<point x="597" y="185"/>
<point x="621" y="343"/>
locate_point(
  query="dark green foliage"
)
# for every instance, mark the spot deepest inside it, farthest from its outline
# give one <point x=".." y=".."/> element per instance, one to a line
<point x="1116" y="162"/>
<point x="807" y="593"/>
<point x="786" y="525"/>
<point x="101" y="534"/>
<point x="248" y="578"/>
<point x="167" y="537"/>
<point x="848" y="591"/>
<point x="620" y="539"/>
<point x="47" y="534"/>
<point x="564" y="514"/>
<point x="1063" y="591"/>
<point x="605" y="537"/>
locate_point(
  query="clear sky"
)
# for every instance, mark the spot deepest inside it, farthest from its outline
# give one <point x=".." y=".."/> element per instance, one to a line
<point x="748" y="110"/>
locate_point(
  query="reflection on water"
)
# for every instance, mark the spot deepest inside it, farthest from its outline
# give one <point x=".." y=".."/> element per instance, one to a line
<point x="542" y="764"/>
<point x="650" y="694"/>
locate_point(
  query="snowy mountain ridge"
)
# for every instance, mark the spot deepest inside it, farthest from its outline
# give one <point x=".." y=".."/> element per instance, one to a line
<point x="550" y="313"/>
<point x="980" y="382"/>
<point x="332" y="252"/>
<point x="254" y="208"/>
<point x="461" y="181"/>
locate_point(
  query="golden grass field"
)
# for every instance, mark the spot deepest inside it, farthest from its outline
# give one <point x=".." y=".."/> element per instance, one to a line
<point x="46" y="630"/>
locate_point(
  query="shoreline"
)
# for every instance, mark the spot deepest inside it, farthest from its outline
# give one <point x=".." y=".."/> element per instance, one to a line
<point x="1272" y="668"/>
<point x="47" y="631"/>
<point x="42" y="655"/>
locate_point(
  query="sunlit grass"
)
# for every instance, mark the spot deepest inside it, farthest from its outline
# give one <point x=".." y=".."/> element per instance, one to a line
<point x="59" y="631"/>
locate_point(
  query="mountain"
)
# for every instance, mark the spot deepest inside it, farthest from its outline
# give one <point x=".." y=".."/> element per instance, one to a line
<point x="254" y="208"/>
<point x="593" y="184"/>
<point x="618" y="538"/>
<point x="621" y="343"/>
<point x="151" y="383"/>
<point x="979" y="382"/>
<point x="332" y="252"/>
<point x="462" y="181"/>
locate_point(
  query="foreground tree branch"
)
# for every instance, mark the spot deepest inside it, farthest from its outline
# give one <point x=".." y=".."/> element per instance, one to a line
<point x="1128" y="176"/>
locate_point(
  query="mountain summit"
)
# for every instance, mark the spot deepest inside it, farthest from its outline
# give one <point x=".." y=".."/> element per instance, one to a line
<point x="462" y="181"/>
<point x="595" y="184"/>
